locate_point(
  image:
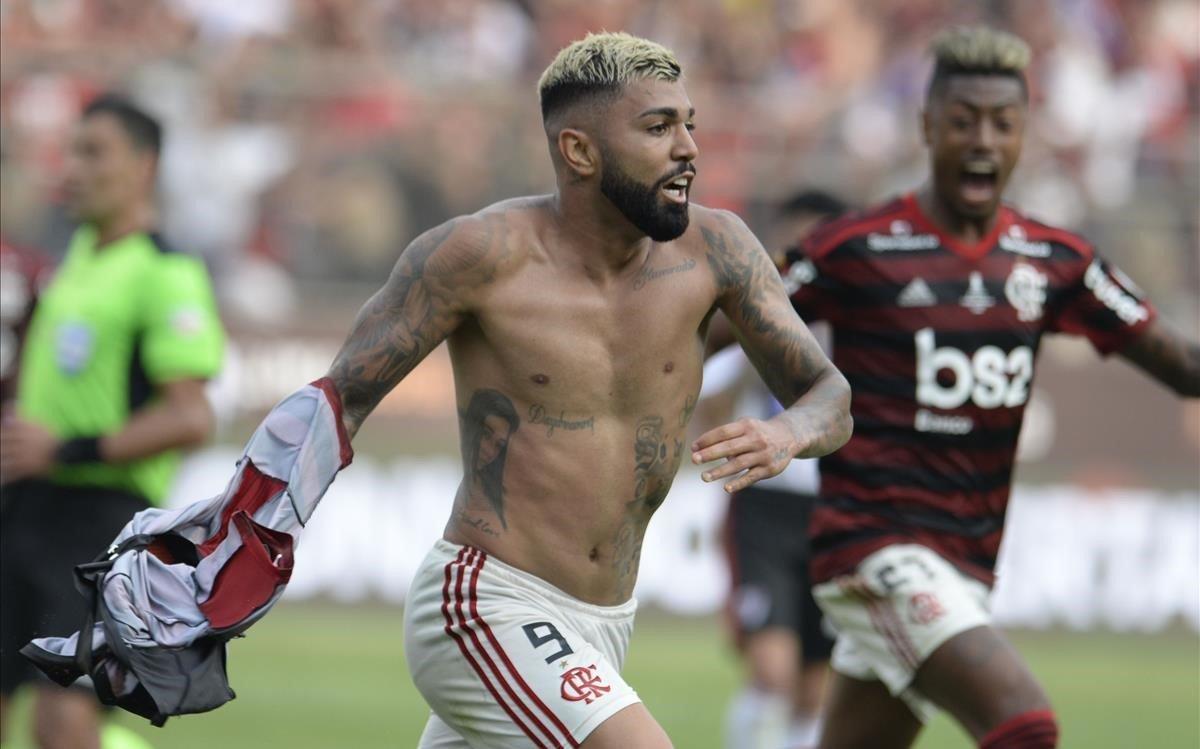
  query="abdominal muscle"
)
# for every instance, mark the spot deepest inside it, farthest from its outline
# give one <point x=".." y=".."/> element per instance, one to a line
<point x="576" y="498"/>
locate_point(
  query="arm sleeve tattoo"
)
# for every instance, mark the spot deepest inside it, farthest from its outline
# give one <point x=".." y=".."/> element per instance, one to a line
<point x="423" y="301"/>
<point x="787" y="357"/>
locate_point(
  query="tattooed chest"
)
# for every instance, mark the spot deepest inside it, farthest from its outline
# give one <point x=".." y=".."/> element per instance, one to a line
<point x="573" y="378"/>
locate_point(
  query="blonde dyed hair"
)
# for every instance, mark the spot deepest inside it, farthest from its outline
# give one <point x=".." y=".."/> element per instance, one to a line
<point x="981" y="48"/>
<point x="601" y="65"/>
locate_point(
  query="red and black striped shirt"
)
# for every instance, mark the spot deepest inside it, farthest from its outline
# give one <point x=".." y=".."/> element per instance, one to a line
<point x="938" y="340"/>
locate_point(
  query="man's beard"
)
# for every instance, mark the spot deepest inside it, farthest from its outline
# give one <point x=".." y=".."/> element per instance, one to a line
<point x="642" y="205"/>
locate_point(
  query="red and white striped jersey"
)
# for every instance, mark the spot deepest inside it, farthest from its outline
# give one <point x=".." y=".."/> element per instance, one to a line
<point x="938" y="340"/>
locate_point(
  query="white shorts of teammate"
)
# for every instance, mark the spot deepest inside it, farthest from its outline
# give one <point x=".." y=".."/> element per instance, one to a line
<point x="507" y="660"/>
<point x="922" y="601"/>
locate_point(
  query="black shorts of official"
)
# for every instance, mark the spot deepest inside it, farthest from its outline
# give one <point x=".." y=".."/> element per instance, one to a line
<point x="45" y="530"/>
<point x="767" y="542"/>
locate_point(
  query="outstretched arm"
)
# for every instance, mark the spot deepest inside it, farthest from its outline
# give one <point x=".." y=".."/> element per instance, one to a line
<point x="424" y="300"/>
<point x="817" y="420"/>
<point x="1167" y="357"/>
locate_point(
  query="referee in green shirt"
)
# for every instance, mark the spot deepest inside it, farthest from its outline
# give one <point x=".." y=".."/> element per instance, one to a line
<point x="111" y="387"/>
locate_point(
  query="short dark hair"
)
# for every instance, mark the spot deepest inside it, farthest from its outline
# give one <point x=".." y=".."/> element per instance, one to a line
<point x="977" y="50"/>
<point x="815" y="202"/>
<point x="143" y="130"/>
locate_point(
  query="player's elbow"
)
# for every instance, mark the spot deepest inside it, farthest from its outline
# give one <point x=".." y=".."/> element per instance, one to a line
<point x="847" y="430"/>
<point x="845" y="422"/>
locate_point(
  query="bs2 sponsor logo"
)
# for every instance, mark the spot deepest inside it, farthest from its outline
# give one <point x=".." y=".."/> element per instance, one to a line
<point x="989" y="378"/>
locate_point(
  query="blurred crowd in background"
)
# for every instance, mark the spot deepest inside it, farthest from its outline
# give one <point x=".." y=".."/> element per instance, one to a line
<point x="309" y="140"/>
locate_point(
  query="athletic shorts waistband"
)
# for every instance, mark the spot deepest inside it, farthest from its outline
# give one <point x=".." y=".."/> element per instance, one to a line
<point x="494" y="567"/>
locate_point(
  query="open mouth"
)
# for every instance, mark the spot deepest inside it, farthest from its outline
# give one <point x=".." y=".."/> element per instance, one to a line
<point x="978" y="180"/>
<point x="677" y="189"/>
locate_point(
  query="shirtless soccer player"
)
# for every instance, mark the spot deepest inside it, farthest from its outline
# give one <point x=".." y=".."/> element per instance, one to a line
<point x="576" y="326"/>
<point x="938" y="300"/>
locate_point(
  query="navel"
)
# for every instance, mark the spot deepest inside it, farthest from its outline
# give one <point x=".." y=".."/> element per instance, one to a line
<point x="540" y="378"/>
<point x="669" y="367"/>
<point x="594" y="554"/>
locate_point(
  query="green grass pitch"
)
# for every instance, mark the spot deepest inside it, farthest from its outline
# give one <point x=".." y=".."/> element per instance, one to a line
<point x="322" y="676"/>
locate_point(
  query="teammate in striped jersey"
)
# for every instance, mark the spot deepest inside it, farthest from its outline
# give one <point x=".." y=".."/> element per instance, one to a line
<point x="938" y="300"/>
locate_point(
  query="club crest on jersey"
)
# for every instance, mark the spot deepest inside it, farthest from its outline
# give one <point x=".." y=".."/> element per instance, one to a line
<point x="916" y="294"/>
<point x="1015" y="241"/>
<point x="1025" y="290"/>
<point x="582" y="684"/>
<point x="900" y="237"/>
<point x="977" y="299"/>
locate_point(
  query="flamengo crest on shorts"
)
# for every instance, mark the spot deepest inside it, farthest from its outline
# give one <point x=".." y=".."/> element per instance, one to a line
<point x="488" y="658"/>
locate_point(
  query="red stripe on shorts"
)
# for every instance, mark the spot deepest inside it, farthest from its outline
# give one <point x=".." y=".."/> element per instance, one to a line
<point x="480" y="560"/>
<point x="473" y="563"/>
<point x="451" y="569"/>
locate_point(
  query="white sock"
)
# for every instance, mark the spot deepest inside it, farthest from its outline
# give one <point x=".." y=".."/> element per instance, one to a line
<point x="757" y="720"/>
<point x="804" y="732"/>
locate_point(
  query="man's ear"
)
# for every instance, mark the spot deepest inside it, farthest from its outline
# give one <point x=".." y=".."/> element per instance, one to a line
<point x="579" y="152"/>
<point x="927" y="124"/>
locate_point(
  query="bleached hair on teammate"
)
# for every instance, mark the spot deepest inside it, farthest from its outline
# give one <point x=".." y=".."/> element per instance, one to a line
<point x="977" y="50"/>
<point x="601" y="64"/>
<point x="980" y="49"/>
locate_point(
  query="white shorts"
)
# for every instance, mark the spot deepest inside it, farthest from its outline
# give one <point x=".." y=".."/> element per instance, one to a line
<point x="923" y="602"/>
<point x="507" y="660"/>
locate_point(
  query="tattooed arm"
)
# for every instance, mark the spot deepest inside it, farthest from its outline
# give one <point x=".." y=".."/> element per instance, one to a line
<point x="791" y="363"/>
<point x="423" y="301"/>
<point x="1167" y="357"/>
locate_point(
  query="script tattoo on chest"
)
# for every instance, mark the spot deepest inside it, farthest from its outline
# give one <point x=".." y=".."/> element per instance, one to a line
<point x="647" y="274"/>
<point x="539" y="415"/>
<point x="486" y="426"/>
